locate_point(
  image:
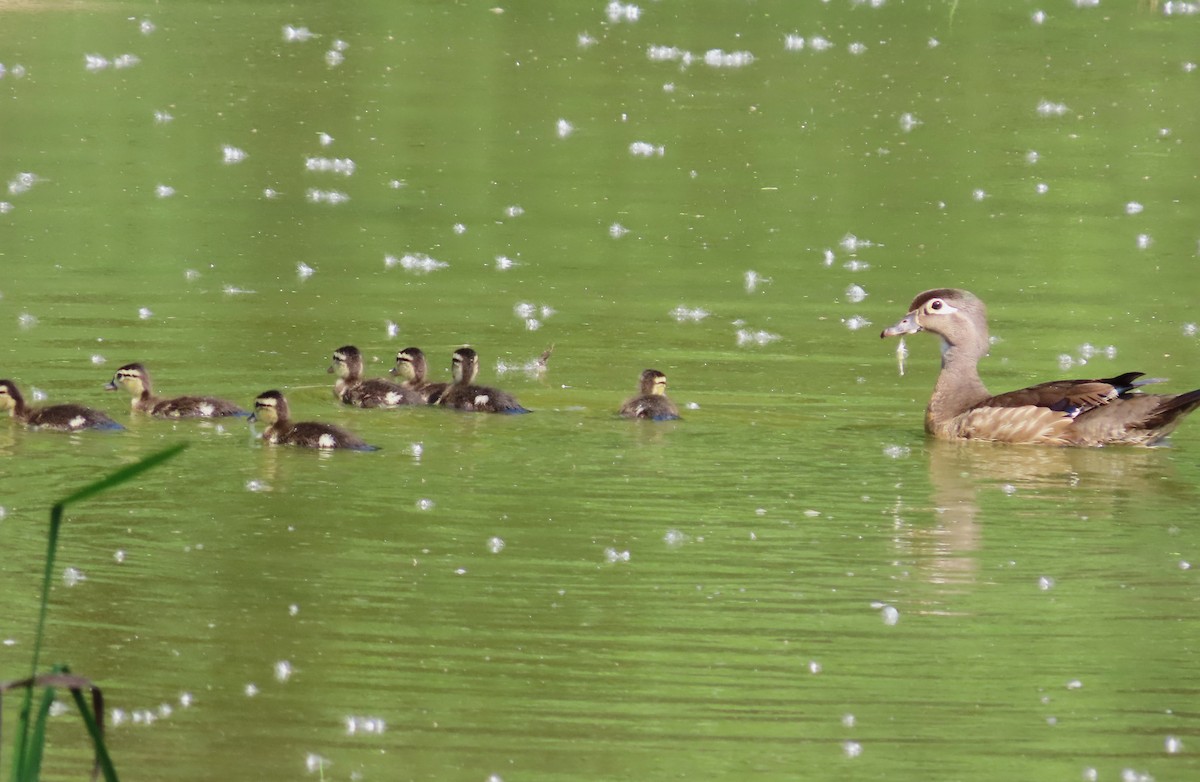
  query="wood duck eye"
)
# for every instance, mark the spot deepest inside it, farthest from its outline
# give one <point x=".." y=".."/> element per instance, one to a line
<point x="935" y="305"/>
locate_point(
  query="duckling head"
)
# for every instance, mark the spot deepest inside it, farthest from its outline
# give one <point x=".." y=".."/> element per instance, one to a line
<point x="133" y="378"/>
<point x="464" y="366"/>
<point x="269" y="407"/>
<point x="10" y="397"/>
<point x="347" y="363"/>
<point x="653" y="383"/>
<point x="957" y="316"/>
<point x="410" y="365"/>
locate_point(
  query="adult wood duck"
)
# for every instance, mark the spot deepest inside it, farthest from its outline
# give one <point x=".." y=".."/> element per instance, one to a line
<point x="136" y="380"/>
<point x="411" y="365"/>
<point x="351" y="389"/>
<point x="272" y="409"/>
<point x="61" y="418"/>
<point x="651" y="401"/>
<point x="462" y="395"/>
<point x="1105" y="411"/>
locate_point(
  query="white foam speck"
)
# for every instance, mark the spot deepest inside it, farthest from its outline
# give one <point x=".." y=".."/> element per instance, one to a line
<point x="851" y="749"/>
<point x="297" y="34"/>
<point x="684" y="314"/>
<point x="611" y="555"/>
<point x="1038" y="17"/>
<point x="622" y="12"/>
<point x="144" y="313"/>
<point x="414" y="262"/>
<point x="425" y="504"/>
<point x="897" y="451"/>
<point x="646" y="149"/>
<point x="1041" y="188"/>
<point x="855" y="294"/>
<point x="747" y="337"/>
<point x="343" y="166"/>
<point x="1144" y="241"/>
<point x="716" y="58"/>
<point x="1133" y="208"/>
<point x="908" y="122"/>
<point x="856" y="322"/>
<point x="616" y="230"/>
<point x="164" y="191"/>
<point x="231" y="155"/>
<point x="495" y="545"/>
<point x="1048" y="108"/>
<point x="73" y="576"/>
<point x="98" y="359"/>
<point x="856" y="48"/>
<point x="563" y="128"/>
<point x="1173" y="745"/>
<point x="1045" y="583"/>
<point x="304" y="270"/>
<point x="283" y="671"/>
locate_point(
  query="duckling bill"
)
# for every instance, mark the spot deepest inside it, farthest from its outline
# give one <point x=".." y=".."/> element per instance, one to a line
<point x="136" y="380"/>
<point x="59" y="418"/>
<point x="651" y="401"/>
<point x="1103" y="411"/>
<point x="271" y="408"/>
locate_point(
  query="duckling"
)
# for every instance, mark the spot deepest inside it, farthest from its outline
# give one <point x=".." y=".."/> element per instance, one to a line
<point x="136" y="380"/>
<point x="351" y="389"/>
<point x="1105" y="411"/>
<point x="481" y="399"/>
<point x="60" y="418"/>
<point x="410" y="365"/>
<point x="272" y="409"/>
<point x="651" y="401"/>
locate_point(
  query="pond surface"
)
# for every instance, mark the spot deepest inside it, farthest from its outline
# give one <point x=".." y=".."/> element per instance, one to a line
<point x="791" y="582"/>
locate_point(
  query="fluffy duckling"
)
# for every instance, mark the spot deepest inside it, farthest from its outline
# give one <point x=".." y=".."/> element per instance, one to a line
<point x="1105" y="411"/>
<point x="410" y="365"/>
<point x="376" y="392"/>
<point x="61" y="418"/>
<point x="651" y="401"/>
<point x="461" y="395"/>
<point x="136" y="380"/>
<point x="272" y="409"/>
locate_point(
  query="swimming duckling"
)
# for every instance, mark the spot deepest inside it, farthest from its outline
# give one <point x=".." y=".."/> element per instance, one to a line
<point x="136" y="380"/>
<point x="272" y="409"/>
<point x="410" y="365"/>
<point x="481" y="399"/>
<point x="651" y="401"/>
<point x="376" y="392"/>
<point x="1105" y="411"/>
<point x="61" y="418"/>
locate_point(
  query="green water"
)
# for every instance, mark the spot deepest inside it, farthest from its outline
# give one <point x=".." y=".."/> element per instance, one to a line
<point x="1045" y="598"/>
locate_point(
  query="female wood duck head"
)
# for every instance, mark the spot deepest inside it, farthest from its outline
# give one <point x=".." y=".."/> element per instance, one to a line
<point x="957" y="316"/>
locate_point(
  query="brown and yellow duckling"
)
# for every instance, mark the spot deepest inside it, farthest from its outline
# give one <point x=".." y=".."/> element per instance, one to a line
<point x="462" y="395"/>
<point x="60" y="418"/>
<point x="411" y="365"/>
<point x="136" y="380"/>
<point x="351" y="389"/>
<point x="271" y="408"/>
<point x="651" y="400"/>
<point x="1105" y="411"/>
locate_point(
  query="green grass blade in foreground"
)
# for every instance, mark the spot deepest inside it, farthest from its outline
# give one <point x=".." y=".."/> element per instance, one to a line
<point x="120" y="476"/>
<point x="102" y="758"/>
<point x="23" y="748"/>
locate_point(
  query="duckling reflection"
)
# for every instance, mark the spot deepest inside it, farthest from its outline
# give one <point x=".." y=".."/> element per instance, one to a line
<point x="58" y="418"/>
<point x="136" y="380"/>
<point x="412" y="367"/>
<point x="272" y="409"/>
<point x="652" y="401"/>
<point x="352" y="389"/>
<point x="462" y="395"/>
